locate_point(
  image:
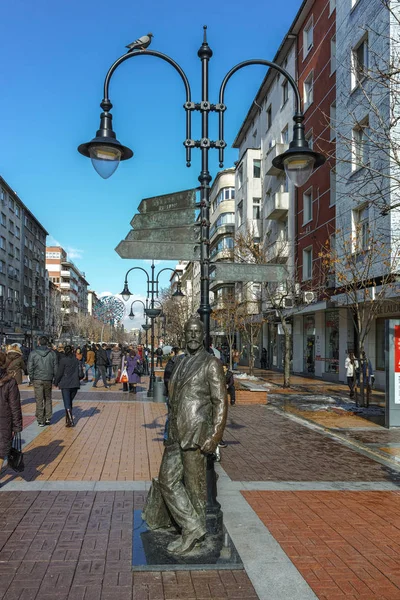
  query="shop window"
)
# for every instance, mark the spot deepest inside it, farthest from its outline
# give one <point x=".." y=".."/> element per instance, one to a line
<point x="332" y="341"/>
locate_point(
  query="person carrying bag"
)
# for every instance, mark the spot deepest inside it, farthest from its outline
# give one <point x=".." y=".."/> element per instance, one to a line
<point x="10" y="416"/>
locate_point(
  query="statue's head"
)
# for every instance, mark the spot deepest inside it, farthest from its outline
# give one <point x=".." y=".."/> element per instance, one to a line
<point x="194" y="334"/>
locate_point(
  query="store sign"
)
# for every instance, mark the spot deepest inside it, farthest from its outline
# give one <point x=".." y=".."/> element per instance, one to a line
<point x="396" y="340"/>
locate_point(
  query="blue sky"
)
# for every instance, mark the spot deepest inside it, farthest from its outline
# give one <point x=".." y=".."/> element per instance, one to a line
<point x="54" y="59"/>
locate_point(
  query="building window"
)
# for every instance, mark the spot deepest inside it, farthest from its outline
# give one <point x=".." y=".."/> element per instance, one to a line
<point x="240" y="213"/>
<point x="2" y="195"/>
<point x="256" y="291"/>
<point x="269" y="117"/>
<point x="2" y="243"/>
<point x="10" y="249"/>
<point x="333" y="54"/>
<point x="359" y="61"/>
<point x="360" y="144"/>
<point x="332" y="121"/>
<point x="256" y="208"/>
<point x="309" y="139"/>
<point x="307" y="206"/>
<point x="17" y="210"/>
<point x="332" y="200"/>
<point x="2" y="266"/>
<point x="10" y="203"/>
<point x="17" y="253"/>
<point x="17" y="232"/>
<point x="285" y="135"/>
<point x="225" y="243"/>
<point x="3" y="220"/>
<point x="332" y="341"/>
<point x="308" y="90"/>
<point x="257" y="169"/>
<point x="240" y="175"/>
<point x="308" y="38"/>
<point x="285" y="91"/>
<point x="361" y="229"/>
<point x="11" y="227"/>
<point x="307" y="263"/>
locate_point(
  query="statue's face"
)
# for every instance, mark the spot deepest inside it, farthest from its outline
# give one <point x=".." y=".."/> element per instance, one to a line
<point x="194" y="337"/>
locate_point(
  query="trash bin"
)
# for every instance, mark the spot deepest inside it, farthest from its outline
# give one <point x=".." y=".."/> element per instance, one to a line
<point x="158" y="390"/>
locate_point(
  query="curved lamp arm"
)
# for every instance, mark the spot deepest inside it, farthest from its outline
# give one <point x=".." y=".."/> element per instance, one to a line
<point x="188" y="106"/>
<point x="246" y="63"/>
<point x="125" y="291"/>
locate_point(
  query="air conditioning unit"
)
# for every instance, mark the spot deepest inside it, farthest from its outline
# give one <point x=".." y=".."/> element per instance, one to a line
<point x="288" y="302"/>
<point x="309" y="297"/>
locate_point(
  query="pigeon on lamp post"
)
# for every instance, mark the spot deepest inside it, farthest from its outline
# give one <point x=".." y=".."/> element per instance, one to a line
<point x="141" y="43"/>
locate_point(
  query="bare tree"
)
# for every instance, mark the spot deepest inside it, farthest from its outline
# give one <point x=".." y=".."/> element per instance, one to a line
<point x="364" y="266"/>
<point x="176" y="311"/>
<point x="227" y="316"/>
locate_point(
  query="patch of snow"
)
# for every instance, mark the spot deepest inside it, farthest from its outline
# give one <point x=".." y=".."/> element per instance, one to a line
<point x="249" y="377"/>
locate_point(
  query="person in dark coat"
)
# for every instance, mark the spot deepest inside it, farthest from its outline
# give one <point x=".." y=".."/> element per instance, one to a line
<point x="68" y="380"/>
<point x="101" y="366"/>
<point x="132" y="361"/>
<point x="10" y="409"/>
<point x="230" y="384"/>
<point x="15" y="363"/>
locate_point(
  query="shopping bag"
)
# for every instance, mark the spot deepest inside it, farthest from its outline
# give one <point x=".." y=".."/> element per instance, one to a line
<point x="118" y="377"/>
<point x="15" y="457"/>
<point x="124" y="376"/>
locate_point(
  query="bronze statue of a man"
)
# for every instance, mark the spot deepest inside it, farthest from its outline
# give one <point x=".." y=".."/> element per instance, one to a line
<point x="197" y="417"/>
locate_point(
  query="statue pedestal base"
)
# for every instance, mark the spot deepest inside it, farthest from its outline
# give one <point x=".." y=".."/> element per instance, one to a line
<point x="150" y="553"/>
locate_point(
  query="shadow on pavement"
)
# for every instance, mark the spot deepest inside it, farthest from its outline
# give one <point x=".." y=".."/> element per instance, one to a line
<point x="36" y="460"/>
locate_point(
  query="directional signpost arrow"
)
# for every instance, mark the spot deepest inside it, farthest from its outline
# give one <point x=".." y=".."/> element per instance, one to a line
<point x="172" y="218"/>
<point x="167" y="202"/>
<point x="161" y="234"/>
<point x="248" y="272"/>
<point x="158" y="250"/>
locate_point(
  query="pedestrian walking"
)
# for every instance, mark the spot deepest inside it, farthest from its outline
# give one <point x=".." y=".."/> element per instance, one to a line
<point x="60" y="352"/>
<point x="15" y="364"/>
<point x="42" y="368"/>
<point x="133" y="366"/>
<point x="69" y="373"/>
<point x="235" y="358"/>
<point x="351" y="366"/>
<point x="10" y="409"/>
<point x="230" y="385"/>
<point x="159" y="355"/>
<point x="109" y="364"/>
<point x="79" y="355"/>
<point x="115" y="360"/>
<point x="90" y="363"/>
<point x="101" y="366"/>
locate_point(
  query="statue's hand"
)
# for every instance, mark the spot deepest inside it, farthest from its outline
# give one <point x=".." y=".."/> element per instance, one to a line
<point x="209" y="446"/>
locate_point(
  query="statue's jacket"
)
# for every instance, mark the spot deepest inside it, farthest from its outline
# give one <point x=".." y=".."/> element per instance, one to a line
<point x="198" y="400"/>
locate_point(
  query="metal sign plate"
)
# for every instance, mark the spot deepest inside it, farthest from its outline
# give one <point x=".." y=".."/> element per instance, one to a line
<point x="158" y="250"/>
<point x="183" y="235"/>
<point x="248" y="272"/>
<point x="167" y="202"/>
<point x="172" y="218"/>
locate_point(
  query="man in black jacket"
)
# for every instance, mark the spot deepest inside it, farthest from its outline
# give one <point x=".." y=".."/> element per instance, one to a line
<point x="101" y="365"/>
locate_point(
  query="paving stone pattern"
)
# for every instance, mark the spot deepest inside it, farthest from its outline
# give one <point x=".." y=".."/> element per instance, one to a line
<point x="78" y="546"/>
<point x="266" y="446"/>
<point x="346" y="545"/>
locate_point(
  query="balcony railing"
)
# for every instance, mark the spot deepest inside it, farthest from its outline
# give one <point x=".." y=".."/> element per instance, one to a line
<point x="277" y="205"/>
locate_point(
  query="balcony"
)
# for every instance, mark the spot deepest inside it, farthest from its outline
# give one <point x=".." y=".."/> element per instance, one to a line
<point x="277" y="205"/>
<point x="224" y="229"/>
<point x="65" y="273"/>
<point x="275" y="151"/>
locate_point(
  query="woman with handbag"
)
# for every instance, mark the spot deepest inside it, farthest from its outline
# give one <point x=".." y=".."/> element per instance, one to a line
<point x="134" y="369"/>
<point x="10" y="409"/>
<point x="70" y="372"/>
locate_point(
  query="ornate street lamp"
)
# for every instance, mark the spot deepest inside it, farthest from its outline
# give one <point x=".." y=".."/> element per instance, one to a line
<point x="106" y="152"/>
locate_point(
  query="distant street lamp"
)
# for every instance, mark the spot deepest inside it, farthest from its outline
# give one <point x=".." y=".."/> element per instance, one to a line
<point x="150" y="311"/>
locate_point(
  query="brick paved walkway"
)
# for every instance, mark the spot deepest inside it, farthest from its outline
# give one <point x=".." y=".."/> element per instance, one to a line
<point x="345" y="544"/>
<point x="78" y="546"/>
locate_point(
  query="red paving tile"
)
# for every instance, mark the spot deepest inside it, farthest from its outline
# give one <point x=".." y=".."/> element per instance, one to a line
<point x="344" y="544"/>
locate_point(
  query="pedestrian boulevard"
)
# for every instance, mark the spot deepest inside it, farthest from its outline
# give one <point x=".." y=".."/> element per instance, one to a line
<point x="314" y="512"/>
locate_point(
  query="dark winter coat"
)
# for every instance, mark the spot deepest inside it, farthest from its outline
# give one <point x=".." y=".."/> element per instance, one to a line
<point x="131" y="363"/>
<point x="15" y="365"/>
<point x="10" y="411"/>
<point x="101" y="358"/>
<point x="42" y="364"/>
<point x="68" y="372"/>
<point x="230" y="382"/>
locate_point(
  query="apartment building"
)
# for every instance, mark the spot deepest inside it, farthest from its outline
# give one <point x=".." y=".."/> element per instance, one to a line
<point x="69" y="280"/>
<point x="222" y="235"/>
<point x="22" y="269"/>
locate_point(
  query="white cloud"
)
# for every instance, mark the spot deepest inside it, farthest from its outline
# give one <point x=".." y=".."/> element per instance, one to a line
<point x="73" y="252"/>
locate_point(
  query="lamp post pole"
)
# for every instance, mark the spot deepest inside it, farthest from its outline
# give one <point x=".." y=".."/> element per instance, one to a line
<point x="146" y="326"/>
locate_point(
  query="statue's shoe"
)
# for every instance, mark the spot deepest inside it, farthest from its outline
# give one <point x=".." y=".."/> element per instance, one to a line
<point x="186" y="541"/>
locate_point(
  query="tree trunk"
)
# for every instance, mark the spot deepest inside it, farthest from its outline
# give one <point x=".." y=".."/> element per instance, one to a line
<point x="286" y="366"/>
